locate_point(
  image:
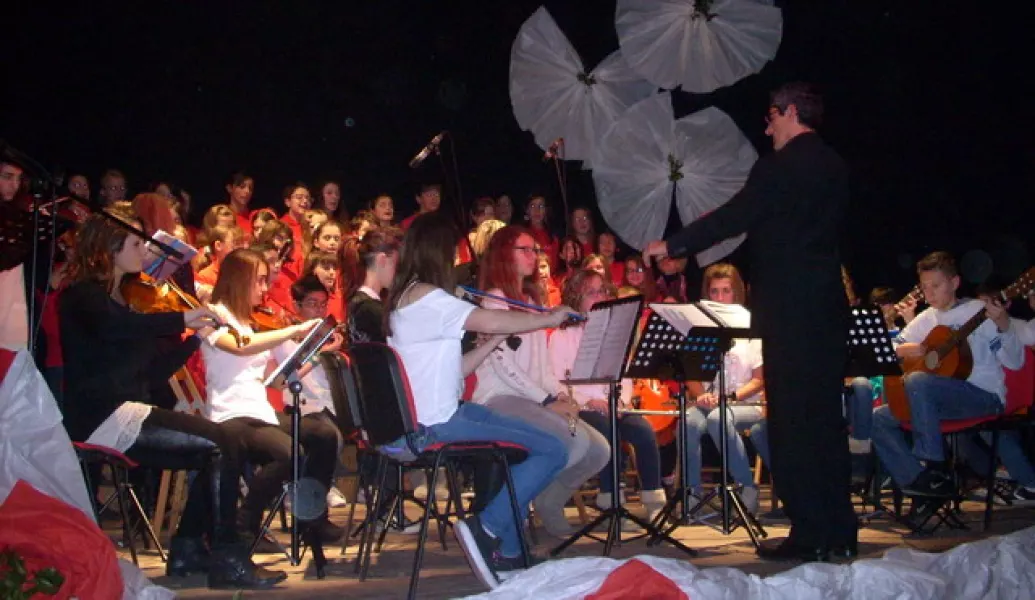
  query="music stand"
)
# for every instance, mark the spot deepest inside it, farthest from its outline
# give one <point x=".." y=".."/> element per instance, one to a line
<point x="601" y="360"/>
<point x="314" y="492"/>
<point x="871" y="353"/>
<point x="689" y="342"/>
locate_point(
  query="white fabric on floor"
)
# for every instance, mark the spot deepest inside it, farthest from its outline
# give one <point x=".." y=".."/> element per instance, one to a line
<point x="1001" y="568"/>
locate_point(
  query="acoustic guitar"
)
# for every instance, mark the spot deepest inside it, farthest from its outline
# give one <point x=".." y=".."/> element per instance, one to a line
<point x="948" y="353"/>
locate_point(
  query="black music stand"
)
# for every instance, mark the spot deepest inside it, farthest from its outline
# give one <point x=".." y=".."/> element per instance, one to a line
<point x="311" y="492"/>
<point x="871" y="353"/>
<point x="601" y="360"/>
<point x="665" y="352"/>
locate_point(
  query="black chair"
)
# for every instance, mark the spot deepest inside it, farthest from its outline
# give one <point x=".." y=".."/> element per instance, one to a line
<point x="387" y="413"/>
<point x="119" y="465"/>
<point x="345" y="396"/>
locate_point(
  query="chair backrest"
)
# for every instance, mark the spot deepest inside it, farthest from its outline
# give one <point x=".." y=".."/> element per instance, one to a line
<point x="344" y="392"/>
<point x="385" y="401"/>
<point x="1020" y="384"/>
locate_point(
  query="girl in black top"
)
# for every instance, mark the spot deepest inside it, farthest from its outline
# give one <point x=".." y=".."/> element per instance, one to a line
<point x="112" y="362"/>
<point x="378" y="254"/>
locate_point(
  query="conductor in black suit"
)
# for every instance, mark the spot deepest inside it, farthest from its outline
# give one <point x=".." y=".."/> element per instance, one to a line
<point x="791" y="208"/>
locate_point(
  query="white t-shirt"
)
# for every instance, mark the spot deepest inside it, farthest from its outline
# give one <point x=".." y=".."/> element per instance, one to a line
<point x="564" y="346"/>
<point x="525" y="372"/>
<point x="234" y="383"/>
<point x="743" y="358"/>
<point x="991" y="350"/>
<point x="427" y="335"/>
<point x="316" y="390"/>
<point x="1025" y="331"/>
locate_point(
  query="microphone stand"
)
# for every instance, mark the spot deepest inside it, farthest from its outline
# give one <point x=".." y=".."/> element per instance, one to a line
<point x="561" y="169"/>
<point x="461" y="209"/>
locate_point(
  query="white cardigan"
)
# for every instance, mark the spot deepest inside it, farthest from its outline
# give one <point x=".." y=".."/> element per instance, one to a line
<point x="525" y="372"/>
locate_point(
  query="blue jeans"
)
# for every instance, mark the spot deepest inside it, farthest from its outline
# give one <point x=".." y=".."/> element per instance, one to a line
<point x="932" y="399"/>
<point x="859" y="408"/>
<point x="547" y="455"/>
<point x="1010" y="452"/>
<point x="738" y="418"/>
<point x="635" y="430"/>
<point x="760" y="440"/>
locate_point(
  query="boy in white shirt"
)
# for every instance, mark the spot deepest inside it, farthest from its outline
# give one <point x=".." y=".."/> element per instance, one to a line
<point x="933" y="398"/>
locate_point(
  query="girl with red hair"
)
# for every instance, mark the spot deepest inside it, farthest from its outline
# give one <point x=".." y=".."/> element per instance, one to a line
<point x="518" y="380"/>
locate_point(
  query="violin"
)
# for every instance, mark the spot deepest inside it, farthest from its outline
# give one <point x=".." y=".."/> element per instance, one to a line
<point x="264" y="318"/>
<point x="145" y="294"/>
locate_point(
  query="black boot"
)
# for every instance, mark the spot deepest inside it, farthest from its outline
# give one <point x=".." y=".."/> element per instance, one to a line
<point x="187" y="555"/>
<point x="328" y="532"/>
<point x="232" y="568"/>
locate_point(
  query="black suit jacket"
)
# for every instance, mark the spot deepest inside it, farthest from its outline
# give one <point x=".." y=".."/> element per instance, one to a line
<point x="791" y="208"/>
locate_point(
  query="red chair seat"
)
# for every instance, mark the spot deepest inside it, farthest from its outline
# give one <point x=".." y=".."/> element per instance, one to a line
<point x="106" y="453"/>
<point x="475" y="446"/>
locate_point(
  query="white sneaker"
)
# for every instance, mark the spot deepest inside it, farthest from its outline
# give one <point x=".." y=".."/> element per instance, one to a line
<point x="335" y="499"/>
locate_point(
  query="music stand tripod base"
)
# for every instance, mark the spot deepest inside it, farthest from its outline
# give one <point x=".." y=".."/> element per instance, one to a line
<point x="664" y="353"/>
<point x="617" y="512"/>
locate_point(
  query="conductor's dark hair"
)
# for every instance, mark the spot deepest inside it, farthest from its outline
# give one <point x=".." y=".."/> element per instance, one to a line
<point x="805" y="98"/>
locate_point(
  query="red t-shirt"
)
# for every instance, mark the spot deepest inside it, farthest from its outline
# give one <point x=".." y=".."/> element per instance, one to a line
<point x="244" y="221"/>
<point x="618" y="272"/>
<point x="549" y="244"/>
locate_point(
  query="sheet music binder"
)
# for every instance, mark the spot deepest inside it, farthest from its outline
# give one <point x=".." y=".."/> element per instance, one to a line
<point x="311" y="344"/>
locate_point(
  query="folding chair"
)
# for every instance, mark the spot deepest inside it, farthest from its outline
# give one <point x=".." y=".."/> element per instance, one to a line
<point x="387" y="412"/>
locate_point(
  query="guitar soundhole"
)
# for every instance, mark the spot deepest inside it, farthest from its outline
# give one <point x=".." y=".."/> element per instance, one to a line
<point x="931" y="360"/>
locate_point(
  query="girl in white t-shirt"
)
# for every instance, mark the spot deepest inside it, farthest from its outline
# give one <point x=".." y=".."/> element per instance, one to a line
<point x="517" y="379"/>
<point x="425" y="326"/>
<point x="233" y="381"/>
<point x="722" y="283"/>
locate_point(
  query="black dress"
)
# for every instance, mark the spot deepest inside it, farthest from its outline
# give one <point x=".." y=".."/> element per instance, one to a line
<point x="791" y="208"/>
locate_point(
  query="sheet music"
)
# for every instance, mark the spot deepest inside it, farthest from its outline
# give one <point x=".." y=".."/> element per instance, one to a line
<point x="161" y="267"/>
<point x="733" y="316"/>
<point x="591" y="345"/>
<point x="684" y="317"/>
<point x="623" y="318"/>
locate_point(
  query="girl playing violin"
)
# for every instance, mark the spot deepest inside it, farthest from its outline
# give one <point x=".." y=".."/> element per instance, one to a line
<point x="425" y="325"/>
<point x="236" y="395"/>
<point x="112" y="364"/>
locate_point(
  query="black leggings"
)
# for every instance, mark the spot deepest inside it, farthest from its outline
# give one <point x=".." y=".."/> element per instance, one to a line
<point x="270" y="446"/>
<point x="162" y="438"/>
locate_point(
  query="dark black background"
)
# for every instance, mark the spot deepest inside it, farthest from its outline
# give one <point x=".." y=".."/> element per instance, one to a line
<point x="928" y="101"/>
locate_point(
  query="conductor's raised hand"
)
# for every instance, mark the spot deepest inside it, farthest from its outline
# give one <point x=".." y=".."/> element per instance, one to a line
<point x="658" y="249"/>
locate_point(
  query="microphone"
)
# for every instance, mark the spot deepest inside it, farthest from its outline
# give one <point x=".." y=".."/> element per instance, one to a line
<point x="551" y="152"/>
<point x="431" y="146"/>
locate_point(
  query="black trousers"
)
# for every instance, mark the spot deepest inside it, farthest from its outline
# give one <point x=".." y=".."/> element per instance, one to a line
<point x="165" y="437"/>
<point x="270" y="446"/>
<point x="808" y="434"/>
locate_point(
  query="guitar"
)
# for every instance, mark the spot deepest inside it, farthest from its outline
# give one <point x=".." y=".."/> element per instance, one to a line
<point x="948" y="353"/>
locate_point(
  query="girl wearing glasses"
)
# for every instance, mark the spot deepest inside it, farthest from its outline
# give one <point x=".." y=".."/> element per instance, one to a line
<point x="517" y="379"/>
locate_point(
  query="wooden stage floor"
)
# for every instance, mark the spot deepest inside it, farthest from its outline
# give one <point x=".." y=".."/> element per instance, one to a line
<point x="446" y="574"/>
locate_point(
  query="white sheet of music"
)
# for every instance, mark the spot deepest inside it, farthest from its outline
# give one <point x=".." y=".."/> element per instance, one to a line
<point x="591" y="344"/>
<point x="684" y="317"/>
<point x="605" y="340"/>
<point x="621" y="325"/>
<point x="733" y="316"/>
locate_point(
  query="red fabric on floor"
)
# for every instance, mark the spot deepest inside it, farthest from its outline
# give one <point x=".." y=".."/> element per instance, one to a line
<point x="46" y="532"/>
<point x="636" y="580"/>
